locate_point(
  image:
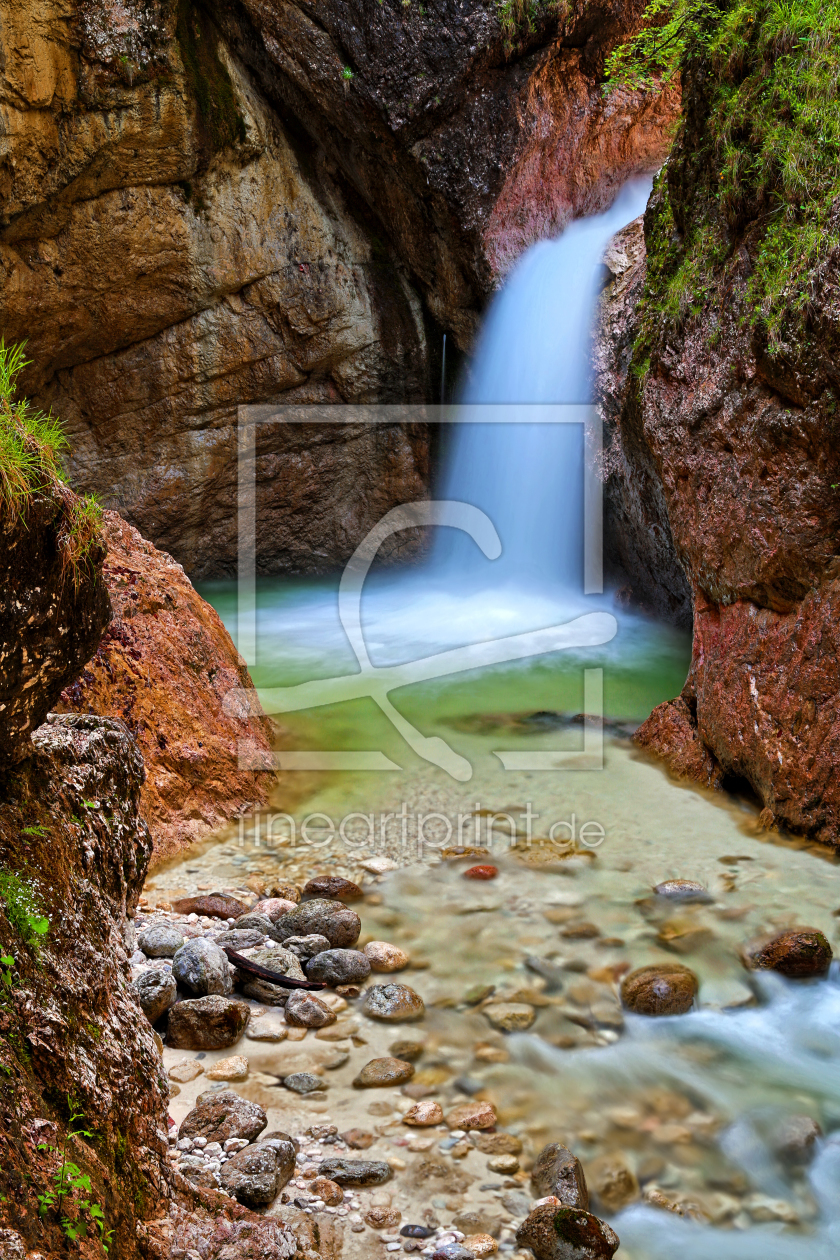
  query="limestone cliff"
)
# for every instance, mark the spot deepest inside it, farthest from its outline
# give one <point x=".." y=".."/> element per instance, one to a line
<point x="210" y="204"/>
<point x="728" y="412"/>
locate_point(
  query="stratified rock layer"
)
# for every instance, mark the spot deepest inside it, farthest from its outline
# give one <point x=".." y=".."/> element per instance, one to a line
<point x="164" y="667"/>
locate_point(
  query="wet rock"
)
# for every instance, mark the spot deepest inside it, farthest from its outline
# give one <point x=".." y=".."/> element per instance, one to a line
<point x="382" y="956"/>
<point x="273" y="908"/>
<point x="481" y="872"/>
<point x="240" y="939"/>
<point x="203" y="968"/>
<point x="795" y="1139"/>
<point x="472" y="1115"/>
<point x="232" y="1069"/>
<point x="613" y="1182"/>
<point x="207" y="1023"/>
<point x="355" y="1172"/>
<point x="156" y="992"/>
<point x="185" y="1071"/>
<point x="510" y="1016"/>
<point x="330" y="1191"/>
<point x="566" y="1233"/>
<point x="500" y="1144"/>
<point x="358" y="1139"/>
<point x="333" y="887"/>
<point x="160" y="940"/>
<point x="256" y="1175"/>
<point x="384" y="1072"/>
<point x="216" y="906"/>
<point x="222" y="1114"/>
<point x="393" y="1002"/>
<point x="424" y="1113"/>
<point x="306" y="947"/>
<point x="305" y="1010"/>
<point x="661" y="989"/>
<point x="560" y="1173"/>
<point x="304" y="1083"/>
<point x="406" y="1049"/>
<point x="341" y="925"/>
<point x="339" y="966"/>
<point x="682" y="890"/>
<point x="798" y="953"/>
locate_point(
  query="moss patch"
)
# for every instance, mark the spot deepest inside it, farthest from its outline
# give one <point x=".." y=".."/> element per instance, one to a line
<point x="220" y="121"/>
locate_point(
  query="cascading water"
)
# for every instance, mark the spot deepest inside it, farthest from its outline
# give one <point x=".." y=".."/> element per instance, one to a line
<point x="535" y="348"/>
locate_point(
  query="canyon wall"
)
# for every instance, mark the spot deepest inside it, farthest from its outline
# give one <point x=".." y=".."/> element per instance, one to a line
<point x="207" y="205"/>
<point x="721" y="402"/>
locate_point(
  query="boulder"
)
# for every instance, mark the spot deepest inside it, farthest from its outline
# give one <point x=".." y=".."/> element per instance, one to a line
<point x="560" y="1173"/>
<point x="160" y="940"/>
<point x="340" y="925"/>
<point x="207" y="1023"/>
<point x="156" y="992"/>
<point x="222" y="1114"/>
<point x="203" y="968"/>
<point x="257" y="1174"/>
<point x="661" y="989"/>
<point x="333" y="887"/>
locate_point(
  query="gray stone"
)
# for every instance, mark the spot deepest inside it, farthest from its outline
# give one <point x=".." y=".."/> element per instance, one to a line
<point x="339" y="966"/>
<point x="239" y="939"/>
<point x="160" y="940"/>
<point x="265" y="992"/>
<point x="355" y="1172"/>
<point x="283" y="961"/>
<point x="254" y="921"/>
<point x="207" y="1023"/>
<point x="305" y="1010"/>
<point x="156" y="992"/>
<point x="257" y="1174"/>
<point x="222" y="1114"/>
<point x="306" y="947"/>
<point x="453" y="1251"/>
<point x="304" y="1083"/>
<point x="203" y="968"/>
<point x="559" y="1172"/>
<point x="340" y="925"/>
<point x="394" y="1002"/>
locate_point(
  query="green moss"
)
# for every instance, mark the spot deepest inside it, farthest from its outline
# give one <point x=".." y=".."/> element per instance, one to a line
<point x="517" y="18"/>
<point x="220" y="121"/>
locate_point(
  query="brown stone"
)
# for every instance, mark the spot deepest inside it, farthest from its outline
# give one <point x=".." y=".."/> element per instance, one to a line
<point x="207" y="1023"/>
<point x="331" y="1193"/>
<point x="379" y="1072"/>
<point x="661" y="989"/>
<point x="383" y="1217"/>
<point x="498" y="1144"/>
<point x="222" y="1114"/>
<point x="566" y="1233"/>
<point x="164" y="667"/>
<point x="214" y="906"/>
<point x="358" y="1139"/>
<point x="612" y="1182"/>
<point x="795" y="1139"/>
<point x="559" y="1173"/>
<point x="798" y="953"/>
<point x="273" y="908"/>
<point x="334" y="887"/>
<point x="481" y="872"/>
<point x="305" y="1010"/>
<point x="472" y="1115"/>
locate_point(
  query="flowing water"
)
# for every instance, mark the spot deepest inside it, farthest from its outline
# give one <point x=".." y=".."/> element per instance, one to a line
<point x="691" y="1105"/>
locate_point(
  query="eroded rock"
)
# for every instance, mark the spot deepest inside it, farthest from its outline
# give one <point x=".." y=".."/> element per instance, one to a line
<point x="384" y="1072"/>
<point x="257" y="1174"/>
<point x="207" y="1023"/>
<point x="355" y="1172"/>
<point x="223" y="1114"/>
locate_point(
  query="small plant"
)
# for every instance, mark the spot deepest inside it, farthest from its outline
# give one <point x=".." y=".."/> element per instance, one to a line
<point x="24" y="909"/>
<point x="69" y="1184"/>
<point x="34" y="830"/>
<point x="347" y="73"/>
<point x="7" y="962"/>
<point x="31" y="441"/>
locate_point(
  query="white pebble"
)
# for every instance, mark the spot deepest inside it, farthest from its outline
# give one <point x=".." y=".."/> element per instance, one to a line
<point x="200" y="1142"/>
<point x="192" y="918"/>
<point x="393" y="1246"/>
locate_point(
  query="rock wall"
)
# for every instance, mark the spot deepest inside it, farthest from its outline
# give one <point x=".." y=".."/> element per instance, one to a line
<point x="204" y="205"/>
<point x="728" y="422"/>
<point x="164" y="667"/>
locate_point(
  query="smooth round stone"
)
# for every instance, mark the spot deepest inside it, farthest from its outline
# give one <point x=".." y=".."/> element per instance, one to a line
<point x="481" y="872"/>
<point x="382" y="956"/>
<point x="223" y="1114"/>
<point x="505" y="1164"/>
<point x="240" y="939"/>
<point x="207" y="1023"/>
<point x="798" y="953"/>
<point x="510" y="1016"/>
<point x="305" y="1010"/>
<point x="682" y="890"/>
<point x="306" y="947"/>
<point x="393" y="1002"/>
<point x="233" y="1069"/>
<point x="330" y="1191"/>
<point x="498" y="1144"/>
<point x="253" y="921"/>
<point x="341" y="925"/>
<point x="160" y="940"/>
<point x="273" y="908"/>
<point x="566" y="1233"/>
<point x="661" y="989"/>
<point x="409" y="1050"/>
<point x="156" y="992"/>
<point x="339" y="966"/>
<point x="472" y="1115"/>
<point x="424" y="1114"/>
<point x="304" y="1083"/>
<point x="334" y="887"/>
<point x="203" y="968"/>
<point x="384" y="1072"/>
<point x="355" y="1172"/>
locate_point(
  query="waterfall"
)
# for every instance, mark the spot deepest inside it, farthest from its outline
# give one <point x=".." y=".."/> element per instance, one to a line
<point x="535" y="348"/>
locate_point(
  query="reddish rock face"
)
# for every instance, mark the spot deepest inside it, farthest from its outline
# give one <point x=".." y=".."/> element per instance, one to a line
<point x="164" y="667"/>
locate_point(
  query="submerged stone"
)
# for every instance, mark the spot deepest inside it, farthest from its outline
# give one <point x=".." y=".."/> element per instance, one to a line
<point x="798" y="953"/>
<point x="661" y="989"/>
